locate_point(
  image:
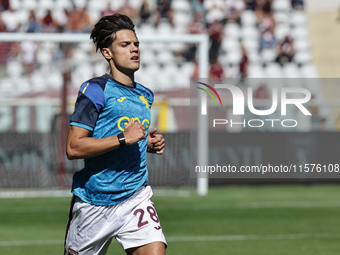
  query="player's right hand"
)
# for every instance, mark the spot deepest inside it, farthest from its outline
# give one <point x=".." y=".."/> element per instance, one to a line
<point x="134" y="132"/>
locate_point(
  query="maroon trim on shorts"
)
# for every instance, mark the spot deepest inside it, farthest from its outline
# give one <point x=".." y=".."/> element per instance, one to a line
<point x="69" y="219"/>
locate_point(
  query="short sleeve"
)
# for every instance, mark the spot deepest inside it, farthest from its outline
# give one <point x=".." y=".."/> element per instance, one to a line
<point x="90" y="103"/>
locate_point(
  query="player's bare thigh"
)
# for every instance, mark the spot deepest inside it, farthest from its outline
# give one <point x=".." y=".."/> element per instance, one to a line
<point x="155" y="248"/>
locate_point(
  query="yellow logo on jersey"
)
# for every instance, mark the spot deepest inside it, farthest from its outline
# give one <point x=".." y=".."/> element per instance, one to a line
<point x="121" y="126"/>
<point x="144" y="101"/>
<point x="121" y="99"/>
<point x="85" y="88"/>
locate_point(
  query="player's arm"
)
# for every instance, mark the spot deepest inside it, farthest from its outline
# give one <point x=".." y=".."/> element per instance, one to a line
<point x="156" y="142"/>
<point x="80" y="145"/>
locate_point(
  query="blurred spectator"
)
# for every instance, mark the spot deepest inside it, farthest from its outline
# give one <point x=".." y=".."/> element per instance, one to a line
<point x="29" y="55"/>
<point x="12" y="20"/>
<point x="297" y="4"/>
<point x="2" y="24"/>
<point x="266" y="21"/>
<point x="286" y="51"/>
<point x="79" y="20"/>
<point x="216" y="69"/>
<point x="267" y="39"/>
<point x="197" y="6"/>
<point x="234" y="9"/>
<point x="250" y="4"/>
<point x="4" y="5"/>
<point x="318" y="122"/>
<point x="33" y="24"/>
<point x="144" y="12"/>
<point x="244" y="63"/>
<point x="215" y="32"/>
<point x="261" y="92"/>
<point x="85" y="21"/>
<point x="195" y="27"/>
<point x="129" y="11"/>
<point x="164" y="11"/>
<point x="48" y="22"/>
<point x="108" y="10"/>
<point x="5" y="48"/>
<point x="264" y="12"/>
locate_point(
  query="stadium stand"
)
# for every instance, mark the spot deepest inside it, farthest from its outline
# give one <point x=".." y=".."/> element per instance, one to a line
<point x="247" y="30"/>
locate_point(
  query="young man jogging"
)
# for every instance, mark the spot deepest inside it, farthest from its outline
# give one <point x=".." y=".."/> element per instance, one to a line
<point x="109" y="129"/>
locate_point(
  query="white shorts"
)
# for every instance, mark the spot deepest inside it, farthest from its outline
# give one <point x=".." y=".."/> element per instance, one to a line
<point x="133" y="222"/>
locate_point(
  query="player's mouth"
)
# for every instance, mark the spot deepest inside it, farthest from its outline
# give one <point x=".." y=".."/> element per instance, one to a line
<point x="135" y="58"/>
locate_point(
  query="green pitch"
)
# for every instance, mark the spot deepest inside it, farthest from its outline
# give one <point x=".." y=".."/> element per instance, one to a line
<point x="234" y="220"/>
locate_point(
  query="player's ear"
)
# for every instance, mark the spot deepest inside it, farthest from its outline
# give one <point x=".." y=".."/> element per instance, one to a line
<point x="107" y="53"/>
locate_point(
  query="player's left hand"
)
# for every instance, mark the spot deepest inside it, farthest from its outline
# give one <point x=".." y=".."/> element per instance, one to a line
<point x="156" y="142"/>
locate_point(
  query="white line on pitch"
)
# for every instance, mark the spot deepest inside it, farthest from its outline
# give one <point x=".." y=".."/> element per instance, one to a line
<point x="252" y="237"/>
<point x="31" y="242"/>
<point x="196" y="238"/>
<point x="253" y="205"/>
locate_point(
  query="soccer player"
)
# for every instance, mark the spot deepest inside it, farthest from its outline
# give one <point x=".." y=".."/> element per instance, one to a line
<point x="110" y="130"/>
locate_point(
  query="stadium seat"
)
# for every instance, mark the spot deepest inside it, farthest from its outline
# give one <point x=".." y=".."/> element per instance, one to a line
<point x="38" y="81"/>
<point x="95" y="7"/>
<point x="146" y="29"/>
<point x="136" y="4"/>
<point x="248" y="18"/>
<point x="55" y="80"/>
<point x="300" y="32"/>
<point x="164" y="28"/>
<point x="251" y="33"/>
<point x="15" y="4"/>
<point x="273" y="70"/>
<point x="268" y="55"/>
<point x="80" y="55"/>
<point x="80" y="3"/>
<point x="256" y="71"/>
<point x="165" y="56"/>
<point x="281" y="30"/>
<point x="254" y="57"/>
<point x="281" y="17"/>
<point x="251" y="45"/>
<point x="230" y="44"/>
<point x="45" y="4"/>
<point x="234" y="57"/>
<point x="148" y="56"/>
<point x="214" y="14"/>
<point x="187" y="68"/>
<point x="291" y="70"/>
<point x="309" y="71"/>
<point x="117" y="4"/>
<point x="29" y="5"/>
<point x="298" y="18"/>
<point x="14" y="68"/>
<point x="301" y="45"/>
<point x="181" y="6"/>
<point x="172" y="77"/>
<point x="232" y="30"/>
<point x="181" y="19"/>
<point x="281" y="5"/>
<point x="302" y="57"/>
<point x="100" y="68"/>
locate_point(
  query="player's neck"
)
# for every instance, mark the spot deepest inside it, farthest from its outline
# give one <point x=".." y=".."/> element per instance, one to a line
<point x="126" y="79"/>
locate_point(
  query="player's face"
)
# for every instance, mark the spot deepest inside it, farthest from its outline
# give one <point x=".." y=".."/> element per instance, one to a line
<point x="125" y="51"/>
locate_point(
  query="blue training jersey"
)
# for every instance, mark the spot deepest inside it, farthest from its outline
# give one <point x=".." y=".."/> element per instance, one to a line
<point x="105" y="106"/>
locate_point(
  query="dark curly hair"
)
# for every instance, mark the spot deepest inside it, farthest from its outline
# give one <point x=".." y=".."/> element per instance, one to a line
<point x="104" y="32"/>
